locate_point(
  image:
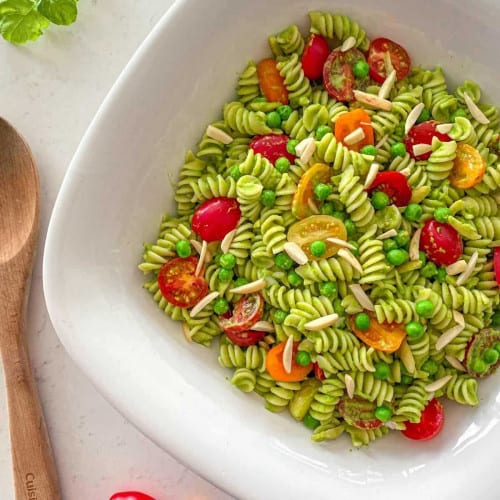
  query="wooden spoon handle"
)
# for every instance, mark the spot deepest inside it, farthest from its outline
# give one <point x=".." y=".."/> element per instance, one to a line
<point x="35" y="475"/>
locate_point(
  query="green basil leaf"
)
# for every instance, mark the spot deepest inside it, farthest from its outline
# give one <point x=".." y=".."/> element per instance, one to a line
<point x="20" y="21"/>
<point x="59" y="11"/>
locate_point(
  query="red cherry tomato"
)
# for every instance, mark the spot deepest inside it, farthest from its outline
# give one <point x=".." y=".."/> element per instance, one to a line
<point x="496" y="264"/>
<point x="178" y="283"/>
<point x="423" y="133"/>
<point x="247" y="311"/>
<point x="130" y="495"/>
<point x="318" y="372"/>
<point x="315" y="54"/>
<point x="272" y="147"/>
<point x="214" y="218"/>
<point x="441" y="243"/>
<point x="376" y="59"/>
<point x="359" y="412"/>
<point x="394" y="185"/>
<point x="246" y="338"/>
<point x="430" y="424"/>
<point x="338" y="76"/>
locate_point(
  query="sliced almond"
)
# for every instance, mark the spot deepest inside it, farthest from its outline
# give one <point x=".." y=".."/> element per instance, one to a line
<point x="407" y="357"/>
<point x="469" y="269"/>
<point x="388" y="84"/>
<point x="349" y="385"/>
<point x="382" y="141"/>
<point x="226" y="242"/>
<point x="361" y="297"/>
<point x="438" y="384"/>
<point x="415" y="245"/>
<point x="444" y="128"/>
<point x="312" y="206"/>
<point x="372" y="173"/>
<point x="406" y="172"/>
<point x="372" y="100"/>
<point x="295" y="253"/>
<point x="348" y="44"/>
<point x="218" y="135"/>
<point x="252" y="287"/>
<point x="458" y="317"/>
<point x="421" y="149"/>
<point x="455" y="363"/>
<point x="301" y="146"/>
<point x="308" y="151"/>
<point x="412" y="117"/>
<point x="263" y="326"/>
<point x="354" y="137"/>
<point x="392" y="425"/>
<point x="419" y="194"/>
<point x="448" y="336"/>
<point x="341" y="243"/>
<point x="186" y="331"/>
<point x="203" y="303"/>
<point x="288" y="355"/>
<point x="366" y="124"/>
<point x="387" y="234"/>
<point x="269" y="339"/>
<point x="201" y="260"/>
<point x="456" y="268"/>
<point x="320" y="323"/>
<point x="476" y="113"/>
<point x="349" y="257"/>
<point x="198" y="247"/>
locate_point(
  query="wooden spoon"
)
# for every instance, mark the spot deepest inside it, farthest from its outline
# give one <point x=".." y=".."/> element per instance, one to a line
<point x="34" y="471"/>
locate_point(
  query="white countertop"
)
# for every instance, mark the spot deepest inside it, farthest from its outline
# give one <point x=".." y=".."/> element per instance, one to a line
<point x="50" y="90"/>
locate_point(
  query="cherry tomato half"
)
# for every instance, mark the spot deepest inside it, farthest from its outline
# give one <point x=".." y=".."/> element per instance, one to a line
<point x="430" y="424"/>
<point x="376" y="59"/>
<point x="423" y="133"/>
<point x="178" y="283"/>
<point x="216" y="217"/>
<point x="304" y="196"/>
<point x="246" y="338"/>
<point x="271" y="147"/>
<point x="468" y="167"/>
<point x="275" y="368"/>
<point x="394" y="185"/>
<point x="131" y="495"/>
<point x="317" y="228"/>
<point x="338" y="75"/>
<point x="482" y="341"/>
<point x="318" y="372"/>
<point x="247" y="311"/>
<point x="496" y="263"/>
<point x="271" y="82"/>
<point x="349" y="122"/>
<point x="315" y="54"/>
<point x="359" y="412"/>
<point x="385" y="337"/>
<point x="441" y="242"/>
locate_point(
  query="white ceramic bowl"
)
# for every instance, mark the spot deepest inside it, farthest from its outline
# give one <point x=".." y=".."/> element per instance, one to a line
<point x="114" y="193"/>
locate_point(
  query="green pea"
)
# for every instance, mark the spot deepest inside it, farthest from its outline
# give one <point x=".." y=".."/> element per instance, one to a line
<point x="491" y="356"/>
<point x="328" y="289"/>
<point x="291" y="145"/>
<point x="302" y="358"/>
<point x="338" y="215"/>
<point x="279" y="316"/>
<point x="318" y="248"/>
<point x="282" y="164"/>
<point x="369" y="150"/>
<point x="429" y="270"/>
<point x="382" y="370"/>
<point x="458" y="112"/>
<point x="422" y="257"/>
<point x="441" y="214"/>
<point x="240" y="282"/>
<point x="413" y="212"/>
<point x="217" y="257"/>
<point x="350" y="227"/>
<point x="234" y="172"/>
<point x="355" y="250"/>
<point x="402" y="239"/>
<point x="273" y="119"/>
<point x="397" y="257"/>
<point x="383" y="413"/>
<point x="294" y="279"/>
<point x="479" y="366"/>
<point x="283" y="261"/>
<point x="311" y="422"/>
<point x="497" y="347"/>
<point x="225" y="275"/>
<point x="327" y="208"/>
<point x="361" y="69"/>
<point x="398" y="149"/>
<point x="221" y="306"/>
<point x="362" y="321"/>
<point x="388" y="245"/>
<point x="268" y="197"/>
<point x="441" y="274"/>
<point x="337" y="307"/>
<point x="424" y="116"/>
<point x="380" y="200"/>
<point x="414" y="329"/>
<point x="406" y="379"/>
<point x="183" y="248"/>
<point x="321" y="131"/>
<point x="322" y="191"/>
<point x="495" y="319"/>
<point x="284" y="111"/>
<point x="227" y="261"/>
<point x="424" y="308"/>
<point x="430" y="366"/>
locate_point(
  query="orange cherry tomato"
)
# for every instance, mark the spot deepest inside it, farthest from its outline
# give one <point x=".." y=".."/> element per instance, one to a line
<point x="349" y="122"/>
<point x="314" y="228"/>
<point x="468" y="168"/>
<point x="385" y="337"/>
<point x="275" y="368"/>
<point x="304" y="196"/>
<point x="271" y="82"/>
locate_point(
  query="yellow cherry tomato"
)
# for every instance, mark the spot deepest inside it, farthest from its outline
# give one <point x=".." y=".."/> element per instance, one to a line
<point x="385" y="337"/>
<point x="468" y="168"/>
<point x="314" y="228"/>
<point x="303" y="200"/>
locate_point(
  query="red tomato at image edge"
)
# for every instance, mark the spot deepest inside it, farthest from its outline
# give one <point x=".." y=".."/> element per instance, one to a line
<point x="496" y="264"/>
<point x="441" y="243"/>
<point x="423" y="133"/>
<point x="430" y="424"/>
<point x="315" y="54"/>
<point x="271" y="147"/>
<point x="216" y="217"/>
<point x="131" y="495"/>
